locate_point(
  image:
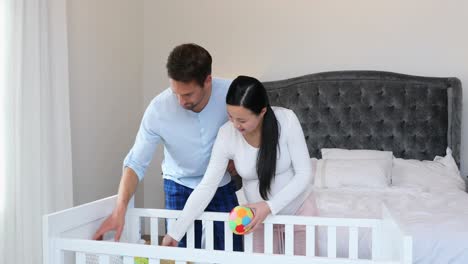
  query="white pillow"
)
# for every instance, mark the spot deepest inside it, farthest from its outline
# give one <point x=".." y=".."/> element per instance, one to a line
<point x="335" y="173"/>
<point x="442" y="174"/>
<point x="337" y="153"/>
<point x="383" y="158"/>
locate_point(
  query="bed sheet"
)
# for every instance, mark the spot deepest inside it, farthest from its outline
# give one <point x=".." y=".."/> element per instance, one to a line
<point x="437" y="221"/>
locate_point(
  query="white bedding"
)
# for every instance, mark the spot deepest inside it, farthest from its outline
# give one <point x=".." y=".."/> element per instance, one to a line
<point x="438" y="222"/>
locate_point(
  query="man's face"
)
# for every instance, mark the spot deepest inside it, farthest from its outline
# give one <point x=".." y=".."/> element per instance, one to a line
<point x="189" y="94"/>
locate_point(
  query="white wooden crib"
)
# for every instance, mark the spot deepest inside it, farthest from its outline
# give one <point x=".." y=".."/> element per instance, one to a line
<point x="66" y="239"/>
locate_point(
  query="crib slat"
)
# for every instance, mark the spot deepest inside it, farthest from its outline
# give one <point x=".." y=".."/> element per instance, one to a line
<point x="353" y="242"/>
<point x="289" y="240"/>
<point x="310" y="240"/>
<point x="104" y="259"/>
<point x="227" y="237"/>
<point x="128" y="260"/>
<point x="153" y="261"/>
<point x="134" y="229"/>
<point x="80" y="258"/>
<point x="191" y="236"/>
<point x="248" y="243"/>
<point x="209" y="234"/>
<point x="268" y="238"/>
<point x="154" y="231"/>
<point x="169" y="223"/>
<point x="376" y="237"/>
<point x="59" y="256"/>
<point x="331" y="242"/>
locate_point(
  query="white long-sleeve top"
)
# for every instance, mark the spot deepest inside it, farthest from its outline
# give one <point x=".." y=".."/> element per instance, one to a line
<point x="289" y="188"/>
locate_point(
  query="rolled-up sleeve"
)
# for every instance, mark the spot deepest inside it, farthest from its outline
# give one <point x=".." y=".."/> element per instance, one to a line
<point x="146" y="141"/>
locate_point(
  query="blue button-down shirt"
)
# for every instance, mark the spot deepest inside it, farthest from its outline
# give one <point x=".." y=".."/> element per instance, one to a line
<point x="188" y="137"/>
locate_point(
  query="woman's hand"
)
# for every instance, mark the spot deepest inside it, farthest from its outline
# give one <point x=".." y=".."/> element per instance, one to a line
<point x="168" y="241"/>
<point x="261" y="211"/>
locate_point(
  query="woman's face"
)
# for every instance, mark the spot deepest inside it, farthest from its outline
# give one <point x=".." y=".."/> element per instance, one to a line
<point x="243" y="119"/>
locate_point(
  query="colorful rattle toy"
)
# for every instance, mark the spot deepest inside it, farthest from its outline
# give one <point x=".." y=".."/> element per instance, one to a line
<point x="239" y="217"/>
<point x="139" y="260"/>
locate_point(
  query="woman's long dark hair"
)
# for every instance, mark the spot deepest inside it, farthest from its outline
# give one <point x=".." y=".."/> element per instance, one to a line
<point x="250" y="93"/>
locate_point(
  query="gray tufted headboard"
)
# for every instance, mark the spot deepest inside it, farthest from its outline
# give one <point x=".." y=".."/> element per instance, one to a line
<point x="415" y="117"/>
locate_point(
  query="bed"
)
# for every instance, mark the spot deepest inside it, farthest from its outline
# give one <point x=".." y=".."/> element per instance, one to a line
<point x="414" y="117"/>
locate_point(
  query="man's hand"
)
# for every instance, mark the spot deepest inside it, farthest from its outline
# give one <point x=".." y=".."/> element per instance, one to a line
<point x="115" y="221"/>
<point x="234" y="175"/>
<point x="261" y="211"/>
<point x="168" y="241"/>
<point x="231" y="168"/>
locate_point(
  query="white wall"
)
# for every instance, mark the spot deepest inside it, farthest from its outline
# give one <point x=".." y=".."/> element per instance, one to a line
<point x="275" y="39"/>
<point x="105" y="38"/>
<point x="270" y="39"/>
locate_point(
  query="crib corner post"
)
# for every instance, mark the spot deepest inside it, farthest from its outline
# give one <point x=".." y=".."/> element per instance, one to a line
<point x="46" y="243"/>
<point x="50" y="253"/>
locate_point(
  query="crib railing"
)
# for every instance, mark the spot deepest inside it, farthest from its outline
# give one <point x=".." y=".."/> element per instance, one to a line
<point x="67" y="235"/>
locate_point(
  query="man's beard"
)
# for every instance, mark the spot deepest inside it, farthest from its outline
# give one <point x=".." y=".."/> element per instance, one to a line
<point x="189" y="106"/>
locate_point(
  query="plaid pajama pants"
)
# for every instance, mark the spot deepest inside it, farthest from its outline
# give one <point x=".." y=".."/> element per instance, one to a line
<point x="223" y="201"/>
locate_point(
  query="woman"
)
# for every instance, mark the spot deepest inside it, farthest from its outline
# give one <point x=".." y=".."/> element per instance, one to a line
<point x="270" y="154"/>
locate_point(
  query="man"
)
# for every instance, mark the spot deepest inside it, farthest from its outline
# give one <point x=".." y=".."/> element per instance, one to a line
<point x="185" y="118"/>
